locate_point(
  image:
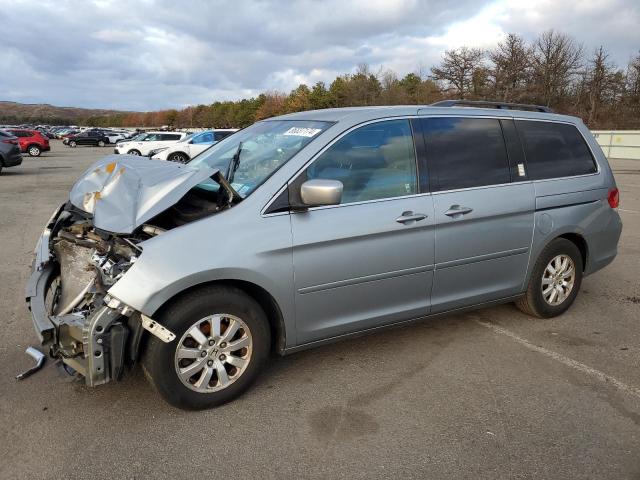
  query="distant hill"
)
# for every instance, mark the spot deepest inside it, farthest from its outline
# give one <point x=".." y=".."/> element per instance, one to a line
<point x="13" y="112"/>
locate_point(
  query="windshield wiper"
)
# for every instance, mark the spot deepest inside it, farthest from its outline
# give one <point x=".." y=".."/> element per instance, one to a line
<point x="234" y="164"/>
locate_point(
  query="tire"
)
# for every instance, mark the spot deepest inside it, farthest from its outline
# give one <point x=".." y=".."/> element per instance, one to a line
<point x="73" y="144"/>
<point x="34" y="151"/>
<point x="101" y="143"/>
<point x="178" y="157"/>
<point x="0" y="169"/>
<point x="161" y="361"/>
<point x="535" y="302"/>
<point x="133" y="152"/>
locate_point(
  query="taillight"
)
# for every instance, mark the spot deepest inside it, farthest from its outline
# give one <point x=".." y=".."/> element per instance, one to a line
<point x="613" y="198"/>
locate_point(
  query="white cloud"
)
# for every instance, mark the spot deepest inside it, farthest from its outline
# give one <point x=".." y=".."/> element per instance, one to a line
<point x="158" y="53"/>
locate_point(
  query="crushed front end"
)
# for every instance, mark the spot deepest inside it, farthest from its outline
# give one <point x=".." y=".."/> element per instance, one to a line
<point x="92" y="333"/>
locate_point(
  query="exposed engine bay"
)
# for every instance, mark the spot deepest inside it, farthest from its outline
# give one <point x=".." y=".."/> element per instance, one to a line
<point x="92" y="333"/>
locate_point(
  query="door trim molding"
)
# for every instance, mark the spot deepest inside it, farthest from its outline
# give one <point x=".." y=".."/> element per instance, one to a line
<point x="365" y="279"/>
<point x="481" y="258"/>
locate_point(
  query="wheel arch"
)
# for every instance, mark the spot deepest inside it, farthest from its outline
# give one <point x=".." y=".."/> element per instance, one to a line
<point x="258" y="293"/>
<point x="579" y="241"/>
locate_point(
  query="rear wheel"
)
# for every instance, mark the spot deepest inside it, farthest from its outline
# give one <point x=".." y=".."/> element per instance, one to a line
<point x="133" y="152"/>
<point x="555" y="280"/>
<point x="101" y="143"/>
<point x="34" y="150"/>
<point x="178" y="157"/>
<point x="222" y="342"/>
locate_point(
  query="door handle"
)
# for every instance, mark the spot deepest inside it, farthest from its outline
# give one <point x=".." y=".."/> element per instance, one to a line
<point x="457" y="210"/>
<point x="410" y="217"/>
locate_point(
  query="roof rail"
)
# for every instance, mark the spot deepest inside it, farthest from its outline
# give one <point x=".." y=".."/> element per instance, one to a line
<point x="488" y="104"/>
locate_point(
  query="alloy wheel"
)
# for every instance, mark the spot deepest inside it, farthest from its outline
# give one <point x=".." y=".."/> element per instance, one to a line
<point x="213" y="353"/>
<point x="558" y="279"/>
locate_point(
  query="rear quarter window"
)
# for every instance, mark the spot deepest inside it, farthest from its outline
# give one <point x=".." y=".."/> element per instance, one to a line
<point x="554" y="150"/>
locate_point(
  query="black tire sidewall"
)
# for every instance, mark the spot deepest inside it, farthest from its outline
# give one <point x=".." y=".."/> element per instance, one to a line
<point x="559" y="246"/>
<point x="159" y="359"/>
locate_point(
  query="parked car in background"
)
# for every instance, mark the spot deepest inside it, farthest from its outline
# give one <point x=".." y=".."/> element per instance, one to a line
<point x="187" y="148"/>
<point x="32" y="142"/>
<point x="10" y="155"/>
<point x="114" y="136"/>
<point x="146" y="142"/>
<point x="90" y="138"/>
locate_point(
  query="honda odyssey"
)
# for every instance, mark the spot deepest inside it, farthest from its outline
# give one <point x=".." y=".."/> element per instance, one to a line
<point x="314" y="226"/>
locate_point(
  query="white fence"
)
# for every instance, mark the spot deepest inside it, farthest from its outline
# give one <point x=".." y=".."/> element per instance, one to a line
<point x="623" y="144"/>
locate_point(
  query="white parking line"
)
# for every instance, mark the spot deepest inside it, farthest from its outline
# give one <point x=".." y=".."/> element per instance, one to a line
<point x="628" y="211"/>
<point x="581" y="367"/>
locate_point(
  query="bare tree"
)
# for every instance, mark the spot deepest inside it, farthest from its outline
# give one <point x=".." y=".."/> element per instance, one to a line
<point x="511" y="67"/>
<point x="458" y="69"/>
<point x="556" y="61"/>
<point x="600" y="83"/>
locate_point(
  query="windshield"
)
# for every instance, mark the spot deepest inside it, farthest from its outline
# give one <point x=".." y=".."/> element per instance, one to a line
<point x="266" y="146"/>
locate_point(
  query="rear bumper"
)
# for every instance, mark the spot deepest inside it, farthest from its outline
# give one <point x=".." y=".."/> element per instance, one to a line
<point x="13" y="158"/>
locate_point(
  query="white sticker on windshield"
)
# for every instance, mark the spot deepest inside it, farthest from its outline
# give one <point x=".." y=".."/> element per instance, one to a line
<point x="303" y="132"/>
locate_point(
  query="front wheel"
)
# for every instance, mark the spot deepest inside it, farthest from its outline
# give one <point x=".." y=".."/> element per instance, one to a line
<point x="73" y="144"/>
<point x="133" y="152"/>
<point x="555" y="280"/>
<point x="101" y="143"/>
<point x="222" y="342"/>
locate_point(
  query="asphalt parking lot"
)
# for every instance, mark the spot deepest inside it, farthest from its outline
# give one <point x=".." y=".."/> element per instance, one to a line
<point x="489" y="394"/>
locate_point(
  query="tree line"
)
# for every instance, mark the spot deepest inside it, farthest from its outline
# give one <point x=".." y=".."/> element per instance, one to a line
<point x="553" y="70"/>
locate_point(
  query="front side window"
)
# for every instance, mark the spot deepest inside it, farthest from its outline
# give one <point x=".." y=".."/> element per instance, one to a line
<point x="373" y="162"/>
<point x="554" y="150"/>
<point x="465" y="152"/>
<point x="266" y="146"/>
<point x="203" y="138"/>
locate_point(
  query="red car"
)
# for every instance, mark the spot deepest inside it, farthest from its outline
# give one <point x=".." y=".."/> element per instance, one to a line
<point x="31" y="141"/>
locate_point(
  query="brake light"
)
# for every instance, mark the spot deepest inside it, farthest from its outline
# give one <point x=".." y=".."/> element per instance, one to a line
<point x="613" y="198"/>
<point x="12" y="142"/>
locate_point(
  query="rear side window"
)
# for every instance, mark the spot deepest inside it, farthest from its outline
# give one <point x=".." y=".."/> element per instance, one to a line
<point x="170" y="136"/>
<point x="221" y="135"/>
<point x="554" y="150"/>
<point x="465" y="152"/>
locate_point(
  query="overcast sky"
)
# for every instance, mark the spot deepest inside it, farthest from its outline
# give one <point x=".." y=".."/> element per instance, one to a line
<point x="150" y="55"/>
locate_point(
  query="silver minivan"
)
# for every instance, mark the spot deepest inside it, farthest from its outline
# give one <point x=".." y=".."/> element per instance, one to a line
<point x="314" y="226"/>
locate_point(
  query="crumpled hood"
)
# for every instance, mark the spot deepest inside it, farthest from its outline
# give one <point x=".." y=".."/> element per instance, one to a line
<point x="124" y="191"/>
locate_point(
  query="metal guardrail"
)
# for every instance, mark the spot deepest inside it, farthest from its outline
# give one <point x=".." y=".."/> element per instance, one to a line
<point x="620" y="144"/>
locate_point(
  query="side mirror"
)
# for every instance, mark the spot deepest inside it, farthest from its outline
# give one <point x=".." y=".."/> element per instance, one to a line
<point x="319" y="192"/>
